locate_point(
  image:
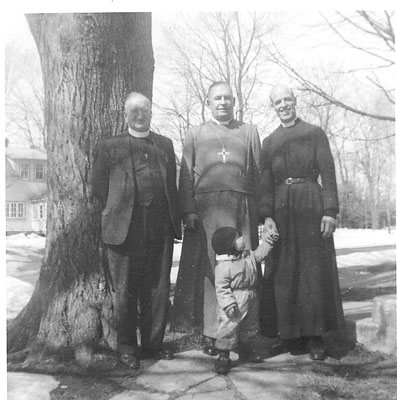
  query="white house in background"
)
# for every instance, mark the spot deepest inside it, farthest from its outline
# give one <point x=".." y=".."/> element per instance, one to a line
<point x="26" y="190"/>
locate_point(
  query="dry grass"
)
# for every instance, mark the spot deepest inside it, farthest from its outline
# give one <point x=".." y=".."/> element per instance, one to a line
<point x="361" y="375"/>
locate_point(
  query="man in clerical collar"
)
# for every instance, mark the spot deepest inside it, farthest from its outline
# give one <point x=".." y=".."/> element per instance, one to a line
<point x="138" y="114"/>
<point x="284" y="104"/>
<point x="134" y="179"/>
<point x="221" y="103"/>
<point x="218" y="186"/>
<point x="307" y="291"/>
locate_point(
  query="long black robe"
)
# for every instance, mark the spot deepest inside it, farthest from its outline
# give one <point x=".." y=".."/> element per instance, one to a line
<point x="306" y="278"/>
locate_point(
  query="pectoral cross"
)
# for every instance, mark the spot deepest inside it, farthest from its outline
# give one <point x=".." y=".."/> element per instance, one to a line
<point x="223" y="153"/>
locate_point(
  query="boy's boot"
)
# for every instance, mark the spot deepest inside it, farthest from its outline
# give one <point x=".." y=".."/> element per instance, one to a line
<point x="223" y="363"/>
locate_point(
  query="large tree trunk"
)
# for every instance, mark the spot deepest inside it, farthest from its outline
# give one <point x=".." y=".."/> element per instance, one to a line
<point x="89" y="63"/>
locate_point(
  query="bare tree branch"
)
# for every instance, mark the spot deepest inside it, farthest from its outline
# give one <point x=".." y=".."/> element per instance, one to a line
<point x="389" y="61"/>
<point x="375" y="82"/>
<point x="220" y="46"/>
<point x="279" y="59"/>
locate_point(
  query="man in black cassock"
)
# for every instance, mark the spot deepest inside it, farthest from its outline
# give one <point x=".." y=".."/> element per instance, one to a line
<point x="307" y="289"/>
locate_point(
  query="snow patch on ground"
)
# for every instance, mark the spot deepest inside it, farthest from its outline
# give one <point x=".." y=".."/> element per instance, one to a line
<point x="24" y="386"/>
<point x="18" y="295"/>
<point x="366" y="259"/>
<point x="344" y="239"/>
<point x="352" y="238"/>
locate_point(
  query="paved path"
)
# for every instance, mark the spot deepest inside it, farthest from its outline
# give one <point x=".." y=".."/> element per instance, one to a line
<point x="189" y="376"/>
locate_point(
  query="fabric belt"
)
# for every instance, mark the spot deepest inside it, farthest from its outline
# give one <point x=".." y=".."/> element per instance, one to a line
<point x="292" y="181"/>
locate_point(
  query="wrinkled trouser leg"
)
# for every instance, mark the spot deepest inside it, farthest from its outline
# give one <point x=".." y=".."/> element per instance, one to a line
<point x="227" y="334"/>
<point x="249" y="325"/>
<point x="248" y="334"/>
<point x="244" y="327"/>
<point x="124" y="302"/>
<point x="140" y="271"/>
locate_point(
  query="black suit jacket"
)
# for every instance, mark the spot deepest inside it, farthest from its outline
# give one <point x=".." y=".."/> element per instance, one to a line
<point x="114" y="184"/>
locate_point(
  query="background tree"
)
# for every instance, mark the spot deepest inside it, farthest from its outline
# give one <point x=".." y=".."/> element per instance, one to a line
<point x="364" y="156"/>
<point x="199" y="49"/>
<point x="175" y="118"/>
<point x="24" y="95"/>
<point x="89" y="63"/>
<point x="375" y="156"/>
<point x="371" y="35"/>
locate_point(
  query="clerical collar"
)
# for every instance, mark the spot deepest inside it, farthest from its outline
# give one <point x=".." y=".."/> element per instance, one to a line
<point x="289" y="124"/>
<point x="222" y="122"/>
<point x="138" y="134"/>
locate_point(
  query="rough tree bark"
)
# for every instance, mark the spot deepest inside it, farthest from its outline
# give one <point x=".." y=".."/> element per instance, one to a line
<point x="89" y="63"/>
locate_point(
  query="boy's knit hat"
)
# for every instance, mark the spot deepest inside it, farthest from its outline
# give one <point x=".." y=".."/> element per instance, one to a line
<point x="222" y="240"/>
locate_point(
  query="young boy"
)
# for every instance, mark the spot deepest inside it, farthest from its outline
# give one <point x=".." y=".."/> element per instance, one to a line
<point x="236" y="281"/>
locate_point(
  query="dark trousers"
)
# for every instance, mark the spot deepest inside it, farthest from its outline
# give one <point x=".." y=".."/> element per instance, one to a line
<point x="140" y="271"/>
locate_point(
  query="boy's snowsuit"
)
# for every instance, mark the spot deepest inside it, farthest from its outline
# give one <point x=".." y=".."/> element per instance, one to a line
<point x="236" y="281"/>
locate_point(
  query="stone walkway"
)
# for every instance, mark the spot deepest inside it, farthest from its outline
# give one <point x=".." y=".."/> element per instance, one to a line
<point x="191" y="376"/>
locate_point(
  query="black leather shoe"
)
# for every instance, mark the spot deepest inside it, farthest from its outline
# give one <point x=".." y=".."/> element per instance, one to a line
<point x="316" y="349"/>
<point x="210" y="350"/>
<point x="293" y="346"/>
<point x="318" y="354"/>
<point x="223" y="363"/>
<point x="209" y="346"/>
<point x="277" y="348"/>
<point x="165" y="354"/>
<point x="251" y="358"/>
<point x="249" y="354"/>
<point x="131" y="360"/>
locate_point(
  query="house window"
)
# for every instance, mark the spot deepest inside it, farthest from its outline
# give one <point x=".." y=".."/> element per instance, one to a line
<point x="39" y="172"/>
<point x="15" y="210"/>
<point x="24" y="170"/>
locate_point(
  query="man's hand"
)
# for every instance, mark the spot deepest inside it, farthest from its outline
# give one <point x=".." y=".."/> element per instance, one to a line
<point x="328" y="226"/>
<point x="232" y="311"/>
<point x="190" y="221"/>
<point x="270" y="232"/>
